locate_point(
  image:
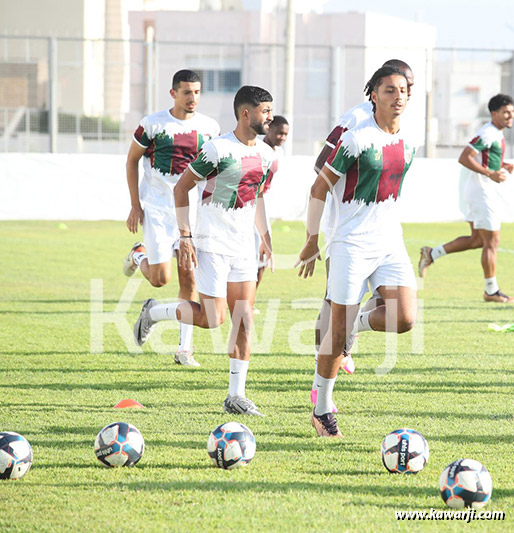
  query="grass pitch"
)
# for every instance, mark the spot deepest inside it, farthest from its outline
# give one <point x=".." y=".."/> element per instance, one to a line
<point x="452" y="381"/>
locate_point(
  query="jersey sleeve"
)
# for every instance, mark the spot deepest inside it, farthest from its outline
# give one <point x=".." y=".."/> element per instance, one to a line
<point x="344" y="155"/>
<point x="206" y="162"/>
<point x="334" y="136"/>
<point x="143" y="134"/>
<point x="478" y="144"/>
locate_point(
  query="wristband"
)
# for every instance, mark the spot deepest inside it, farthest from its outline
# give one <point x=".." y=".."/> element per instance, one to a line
<point x="186" y="237"/>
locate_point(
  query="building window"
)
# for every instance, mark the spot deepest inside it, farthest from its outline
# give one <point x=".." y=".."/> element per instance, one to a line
<point x="220" y="81"/>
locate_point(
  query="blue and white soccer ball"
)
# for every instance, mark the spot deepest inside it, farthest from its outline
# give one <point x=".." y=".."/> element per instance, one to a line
<point x="119" y="444"/>
<point x="231" y="445"/>
<point x="405" y="451"/>
<point x="15" y="455"/>
<point x="465" y="483"/>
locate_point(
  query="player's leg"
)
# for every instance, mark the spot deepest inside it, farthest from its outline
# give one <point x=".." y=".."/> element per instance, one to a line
<point x="187" y="292"/>
<point x="329" y="361"/>
<point x="240" y="299"/>
<point x="154" y="257"/>
<point x="211" y="279"/>
<point x="492" y="293"/>
<point x="460" y="244"/>
<point x="347" y="284"/>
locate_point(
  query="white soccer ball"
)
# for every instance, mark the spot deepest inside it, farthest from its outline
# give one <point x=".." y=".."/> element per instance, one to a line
<point x="15" y="455"/>
<point x="405" y="451"/>
<point x="231" y="445"/>
<point x="465" y="483"/>
<point x="119" y="444"/>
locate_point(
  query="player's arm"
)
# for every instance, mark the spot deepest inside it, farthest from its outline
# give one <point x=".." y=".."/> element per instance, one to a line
<point x="187" y="253"/>
<point x="330" y="144"/>
<point x="322" y="157"/>
<point x="135" y="153"/>
<point x="509" y="167"/>
<point x="261" y="221"/>
<point x="467" y="159"/>
<point x="310" y="252"/>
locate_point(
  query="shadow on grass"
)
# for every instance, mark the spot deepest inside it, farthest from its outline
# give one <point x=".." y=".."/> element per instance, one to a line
<point x="236" y="487"/>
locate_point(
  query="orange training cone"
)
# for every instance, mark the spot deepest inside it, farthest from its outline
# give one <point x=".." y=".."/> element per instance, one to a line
<point x="128" y="404"/>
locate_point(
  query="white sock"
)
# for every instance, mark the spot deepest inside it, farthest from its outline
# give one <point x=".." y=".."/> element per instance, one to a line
<point x="164" y="312"/>
<point x="186" y="336"/>
<point x="237" y="377"/>
<point x="437" y="252"/>
<point x="491" y="285"/>
<point x="325" y="388"/>
<point x="363" y="321"/>
<point x="315" y="368"/>
<point x="138" y="257"/>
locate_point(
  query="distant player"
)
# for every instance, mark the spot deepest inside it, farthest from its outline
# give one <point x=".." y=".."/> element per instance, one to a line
<point x="275" y="138"/>
<point x="484" y="156"/>
<point x="365" y="173"/>
<point x="168" y="140"/>
<point x="347" y="121"/>
<point x="230" y="172"/>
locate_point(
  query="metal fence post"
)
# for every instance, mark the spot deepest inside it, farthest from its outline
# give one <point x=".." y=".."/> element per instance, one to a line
<point x="53" y="119"/>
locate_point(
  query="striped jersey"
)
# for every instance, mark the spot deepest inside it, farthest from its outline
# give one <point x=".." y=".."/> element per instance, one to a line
<point x="349" y="120"/>
<point x="231" y="174"/>
<point x="371" y="165"/>
<point x="171" y="144"/>
<point x="489" y="143"/>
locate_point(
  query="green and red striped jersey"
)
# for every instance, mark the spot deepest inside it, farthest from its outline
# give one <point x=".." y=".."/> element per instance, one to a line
<point x="371" y="165"/>
<point x="231" y="174"/>
<point x="489" y="142"/>
<point x="171" y="144"/>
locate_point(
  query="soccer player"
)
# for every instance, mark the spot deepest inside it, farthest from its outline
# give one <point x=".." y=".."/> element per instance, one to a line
<point x="484" y="157"/>
<point x="168" y="141"/>
<point x="364" y="173"/>
<point x="230" y="172"/>
<point x="348" y="120"/>
<point x="275" y="138"/>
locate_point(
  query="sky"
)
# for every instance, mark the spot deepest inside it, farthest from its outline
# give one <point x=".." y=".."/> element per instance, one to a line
<point x="459" y="23"/>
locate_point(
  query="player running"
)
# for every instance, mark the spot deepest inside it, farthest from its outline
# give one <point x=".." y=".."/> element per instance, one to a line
<point x="230" y="172"/>
<point x="484" y="157"/>
<point x="168" y="140"/>
<point x="347" y="121"/>
<point x="364" y="173"/>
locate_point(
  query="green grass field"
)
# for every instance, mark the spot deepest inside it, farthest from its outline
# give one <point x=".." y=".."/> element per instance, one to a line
<point x="457" y="391"/>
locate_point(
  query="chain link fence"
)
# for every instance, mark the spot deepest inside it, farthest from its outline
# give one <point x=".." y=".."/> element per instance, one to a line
<point x="87" y="96"/>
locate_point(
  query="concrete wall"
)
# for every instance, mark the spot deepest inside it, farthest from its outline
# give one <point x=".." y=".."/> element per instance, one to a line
<point x="93" y="187"/>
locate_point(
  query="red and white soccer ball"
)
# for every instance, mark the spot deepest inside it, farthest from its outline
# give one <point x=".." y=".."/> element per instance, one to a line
<point x="465" y="483"/>
<point x="405" y="451"/>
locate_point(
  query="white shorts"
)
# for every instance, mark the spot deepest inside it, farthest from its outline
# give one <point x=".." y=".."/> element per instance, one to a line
<point x="216" y="270"/>
<point x="483" y="209"/>
<point x="350" y="271"/>
<point x="160" y="234"/>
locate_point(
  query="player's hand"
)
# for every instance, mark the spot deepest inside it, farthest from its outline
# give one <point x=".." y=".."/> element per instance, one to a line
<point x="266" y="254"/>
<point x="498" y="176"/>
<point x="187" y="254"/>
<point x="509" y="167"/>
<point x="136" y="215"/>
<point x="307" y="259"/>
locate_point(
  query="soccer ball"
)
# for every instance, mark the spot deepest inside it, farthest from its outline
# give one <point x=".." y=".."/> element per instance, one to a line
<point x="465" y="483"/>
<point x="404" y="451"/>
<point x="231" y="445"/>
<point x="119" y="444"/>
<point x="15" y="455"/>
